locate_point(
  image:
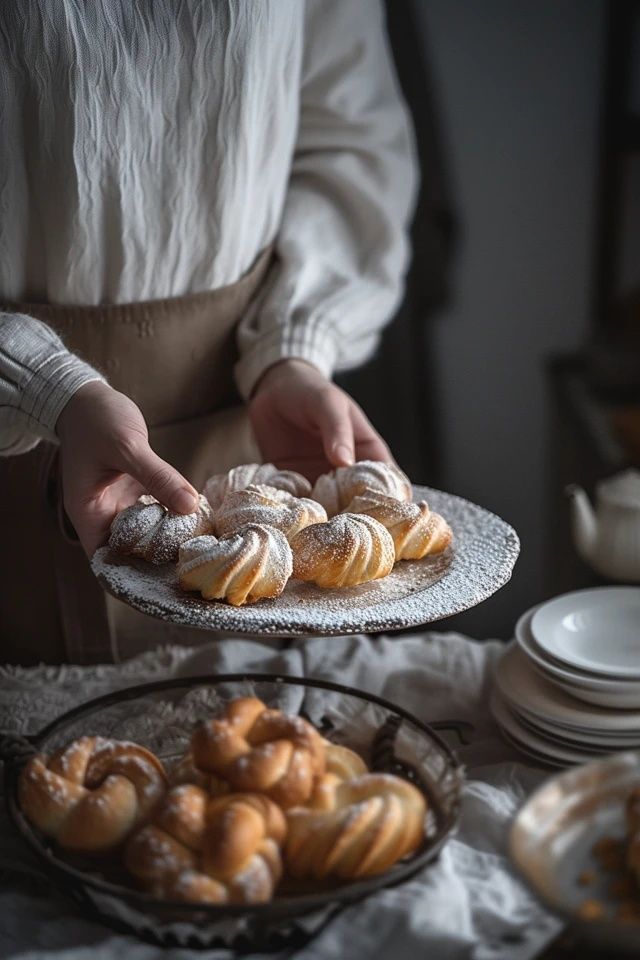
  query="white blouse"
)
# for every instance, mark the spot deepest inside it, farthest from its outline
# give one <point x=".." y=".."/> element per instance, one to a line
<point x="152" y="150"/>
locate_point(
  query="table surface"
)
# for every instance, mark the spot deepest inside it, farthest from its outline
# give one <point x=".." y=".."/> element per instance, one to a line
<point x="468" y="904"/>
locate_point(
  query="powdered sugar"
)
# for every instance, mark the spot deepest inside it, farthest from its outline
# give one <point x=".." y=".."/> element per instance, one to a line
<point x="415" y="592"/>
<point x="150" y="531"/>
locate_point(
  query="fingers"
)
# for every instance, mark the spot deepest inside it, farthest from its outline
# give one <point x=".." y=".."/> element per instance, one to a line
<point x="336" y="430"/>
<point x="158" y="477"/>
<point x="92" y="527"/>
<point x="369" y="444"/>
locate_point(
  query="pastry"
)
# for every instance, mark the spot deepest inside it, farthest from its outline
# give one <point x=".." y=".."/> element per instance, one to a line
<point x="267" y="505"/>
<point x="415" y="530"/>
<point x="337" y="489"/>
<point x="245" y="566"/>
<point x="150" y="531"/>
<point x="366" y="826"/>
<point x="349" y="549"/>
<point x="92" y="793"/>
<point x="261" y="750"/>
<point x="218" y="486"/>
<point x="341" y="764"/>
<point x="221" y="850"/>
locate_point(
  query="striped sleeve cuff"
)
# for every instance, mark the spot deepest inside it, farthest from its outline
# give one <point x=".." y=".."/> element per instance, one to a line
<point x="313" y="343"/>
<point x="38" y="376"/>
<point x="51" y="387"/>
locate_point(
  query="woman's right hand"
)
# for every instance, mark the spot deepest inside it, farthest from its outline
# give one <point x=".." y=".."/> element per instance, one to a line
<point x="107" y="463"/>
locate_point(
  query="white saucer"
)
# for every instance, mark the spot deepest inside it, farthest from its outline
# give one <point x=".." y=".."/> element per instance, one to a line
<point x="570" y="735"/>
<point x="595" y="630"/>
<point x="541" y="747"/>
<point x="523" y="687"/>
<point x="610" y="692"/>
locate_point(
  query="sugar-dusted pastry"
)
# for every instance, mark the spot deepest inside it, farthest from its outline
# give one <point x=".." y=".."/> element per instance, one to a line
<point x="254" y="563"/>
<point x="184" y="770"/>
<point x="341" y="764"/>
<point x="150" y="531"/>
<point x="365" y="826"/>
<point x="92" y="793"/>
<point x="203" y="850"/>
<point x="217" y="487"/>
<point x="349" y="549"/>
<point x="258" y="503"/>
<point x="261" y="750"/>
<point x="416" y="531"/>
<point x="337" y="489"/>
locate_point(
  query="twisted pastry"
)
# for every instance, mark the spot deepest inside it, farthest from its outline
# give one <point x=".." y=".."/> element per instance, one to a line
<point x="262" y="750"/>
<point x="267" y="505"/>
<point x="337" y="489"/>
<point x="225" y="850"/>
<point x="92" y="793"/>
<point x="416" y="531"/>
<point x="150" y="531"/>
<point x="366" y="825"/>
<point x="349" y="549"/>
<point x="185" y="771"/>
<point x="341" y="764"/>
<point x="253" y="563"/>
<point x="218" y="486"/>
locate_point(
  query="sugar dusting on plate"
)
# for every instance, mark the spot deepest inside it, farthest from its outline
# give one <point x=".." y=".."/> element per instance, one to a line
<point x="479" y="562"/>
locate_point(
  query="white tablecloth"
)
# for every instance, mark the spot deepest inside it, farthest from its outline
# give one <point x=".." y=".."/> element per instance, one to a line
<point x="468" y="904"/>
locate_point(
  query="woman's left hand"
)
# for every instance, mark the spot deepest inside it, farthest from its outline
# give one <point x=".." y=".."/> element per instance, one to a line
<point x="304" y="422"/>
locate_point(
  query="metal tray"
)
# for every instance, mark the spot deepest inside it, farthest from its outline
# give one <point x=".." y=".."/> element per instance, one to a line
<point x="480" y="561"/>
<point x="161" y="716"/>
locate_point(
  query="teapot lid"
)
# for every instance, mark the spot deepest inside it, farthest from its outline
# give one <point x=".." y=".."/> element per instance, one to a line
<point x="623" y="488"/>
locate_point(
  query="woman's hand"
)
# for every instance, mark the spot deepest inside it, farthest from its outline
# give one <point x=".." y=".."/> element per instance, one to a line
<point x="304" y="422"/>
<point x="107" y="463"/>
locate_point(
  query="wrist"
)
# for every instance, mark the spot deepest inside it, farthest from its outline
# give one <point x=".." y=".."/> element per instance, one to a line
<point x="285" y="368"/>
<point x="88" y="393"/>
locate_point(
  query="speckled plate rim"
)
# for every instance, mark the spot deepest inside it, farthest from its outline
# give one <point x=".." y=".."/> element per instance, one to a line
<point x="481" y="560"/>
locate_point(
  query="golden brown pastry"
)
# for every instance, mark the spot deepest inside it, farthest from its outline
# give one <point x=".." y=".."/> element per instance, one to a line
<point x="221" y="850"/>
<point x="92" y="793"/>
<point x="632" y="813"/>
<point x="341" y="764"/>
<point x="416" y="531"/>
<point x="261" y="750"/>
<point x="253" y="563"/>
<point x="218" y="486"/>
<point x="337" y="489"/>
<point x="185" y="771"/>
<point x="150" y="531"/>
<point x="267" y="505"/>
<point x="349" y="549"/>
<point x="366" y="826"/>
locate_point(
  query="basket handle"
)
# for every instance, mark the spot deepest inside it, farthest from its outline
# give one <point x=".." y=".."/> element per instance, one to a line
<point x="462" y="728"/>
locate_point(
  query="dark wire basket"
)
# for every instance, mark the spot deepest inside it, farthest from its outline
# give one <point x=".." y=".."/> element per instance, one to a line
<point x="161" y="716"/>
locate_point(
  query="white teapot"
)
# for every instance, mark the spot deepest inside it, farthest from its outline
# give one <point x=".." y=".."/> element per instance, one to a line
<point x="608" y="538"/>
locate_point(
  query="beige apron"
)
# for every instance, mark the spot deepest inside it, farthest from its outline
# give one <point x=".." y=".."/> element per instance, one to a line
<point x="175" y="359"/>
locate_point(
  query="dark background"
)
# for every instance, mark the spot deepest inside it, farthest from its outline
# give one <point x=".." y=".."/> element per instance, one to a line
<point x="526" y="243"/>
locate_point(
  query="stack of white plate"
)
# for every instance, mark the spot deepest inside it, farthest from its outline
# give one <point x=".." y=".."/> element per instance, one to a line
<point x="568" y="688"/>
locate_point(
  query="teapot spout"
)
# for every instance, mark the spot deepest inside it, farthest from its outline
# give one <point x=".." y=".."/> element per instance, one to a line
<point x="583" y="522"/>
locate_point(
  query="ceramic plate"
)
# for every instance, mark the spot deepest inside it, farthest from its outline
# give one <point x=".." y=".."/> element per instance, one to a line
<point x="595" y="630"/>
<point x="605" y="742"/>
<point x="617" y="694"/>
<point x="553" y="835"/>
<point x="523" y="687"/>
<point x="478" y="563"/>
<point x="543" y="747"/>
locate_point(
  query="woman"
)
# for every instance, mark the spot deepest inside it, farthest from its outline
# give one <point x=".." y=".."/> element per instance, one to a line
<point x="201" y="204"/>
